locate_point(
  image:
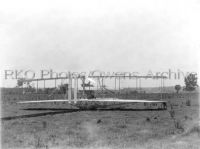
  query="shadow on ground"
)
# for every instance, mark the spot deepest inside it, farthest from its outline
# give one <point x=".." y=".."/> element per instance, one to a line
<point x="55" y="111"/>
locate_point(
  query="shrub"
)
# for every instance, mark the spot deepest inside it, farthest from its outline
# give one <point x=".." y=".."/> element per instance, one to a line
<point x="99" y="121"/>
<point x="177" y="88"/>
<point x="188" y="103"/>
<point x="179" y="125"/>
<point x="148" y="119"/>
<point x="191" y="82"/>
<point x="44" y="124"/>
<point x="172" y="114"/>
<point x="122" y="126"/>
<point x="195" y="129"/>
<point x="38" y="142"/>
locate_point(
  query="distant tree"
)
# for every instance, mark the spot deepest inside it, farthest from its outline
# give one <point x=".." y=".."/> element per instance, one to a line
<point x="19" y="82"/>
<point x="177" y="88"/>
<point x="63" y="88"/>
<point x="47" y="90"/>
<point x="191" y="82"/>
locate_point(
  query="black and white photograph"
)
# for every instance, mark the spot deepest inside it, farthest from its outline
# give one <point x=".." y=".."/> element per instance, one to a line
<point x="99" y="74"/>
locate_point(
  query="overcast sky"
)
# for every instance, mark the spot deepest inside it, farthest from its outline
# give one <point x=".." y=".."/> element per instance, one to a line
<point x="108" y="35"/>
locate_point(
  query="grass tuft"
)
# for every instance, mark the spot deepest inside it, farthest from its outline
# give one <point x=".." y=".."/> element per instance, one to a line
<point x="194" y="130"/>
<point x="188" y="103"/>
<point x="148" y="119"/>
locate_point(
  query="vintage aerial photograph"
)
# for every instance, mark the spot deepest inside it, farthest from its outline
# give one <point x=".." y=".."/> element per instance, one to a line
<point x="103" y="74"/>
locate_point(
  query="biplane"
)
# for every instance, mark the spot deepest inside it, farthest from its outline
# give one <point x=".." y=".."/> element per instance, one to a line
<point x="71" y="95"/>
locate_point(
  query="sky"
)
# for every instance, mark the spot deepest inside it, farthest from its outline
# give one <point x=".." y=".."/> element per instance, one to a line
<point x="107" y="35"/>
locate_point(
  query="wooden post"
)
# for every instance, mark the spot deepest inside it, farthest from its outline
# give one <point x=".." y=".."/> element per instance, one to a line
<point x="69" y="88"/>
<point x="37" y="86"/>
<point x="102" y="82"/>
<point x="44" y="84"/>
<point x="97" y="85"/>
<point x="161" y="89"/>
<point x="102" y="87"/>
<point x="37" y="90"/>
<point x="119" y="85"/>
<point x="136" y="82"/>
<point x="115" y="87"/>
<point x="83" y="83"/>
<point x="55" y="83"/>
<point x="164" y="84"/>
<point x="75" y="90"/>
<point x="22" y="87"/>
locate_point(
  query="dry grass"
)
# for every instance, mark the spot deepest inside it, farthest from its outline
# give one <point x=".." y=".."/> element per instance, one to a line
<point x="176" y="127"/>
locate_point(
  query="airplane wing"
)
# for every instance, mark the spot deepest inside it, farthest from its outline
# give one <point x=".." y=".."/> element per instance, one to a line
<point x="98" y="100"/>
<point x="122" y="100"/>
<point x="41" y="101"/>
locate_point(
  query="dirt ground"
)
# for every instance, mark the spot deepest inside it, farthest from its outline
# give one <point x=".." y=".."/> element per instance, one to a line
<point x="56" y="126"/>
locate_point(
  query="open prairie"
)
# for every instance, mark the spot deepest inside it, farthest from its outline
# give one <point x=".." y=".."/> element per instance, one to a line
<point x="50" y="125"/>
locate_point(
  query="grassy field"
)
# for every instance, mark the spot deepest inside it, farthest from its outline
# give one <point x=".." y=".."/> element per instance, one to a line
<point x="56" y="126"/>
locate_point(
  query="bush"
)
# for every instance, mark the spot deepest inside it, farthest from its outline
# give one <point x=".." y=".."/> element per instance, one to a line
<point x="194" y="129"/>
<point x="188" y="103"/>
<point x="172" y="114"/>
<point x="44" y="124"/>
<point x="148" y="119"/>
<point x="179" y="125"/>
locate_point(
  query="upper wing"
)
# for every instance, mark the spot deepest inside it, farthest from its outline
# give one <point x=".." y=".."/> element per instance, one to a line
<point x="40" y="101"/>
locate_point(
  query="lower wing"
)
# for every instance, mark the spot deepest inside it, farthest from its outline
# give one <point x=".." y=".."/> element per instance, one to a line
<point x="97" y="100"/>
